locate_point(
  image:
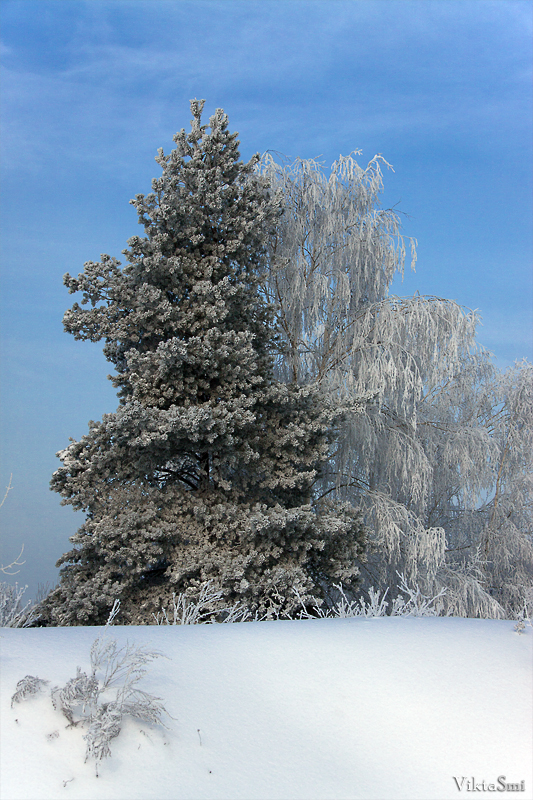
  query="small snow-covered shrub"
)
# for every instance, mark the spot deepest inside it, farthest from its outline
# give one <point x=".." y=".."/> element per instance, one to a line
<point x="412" y="604"/>
<point x="416" y="604"/>
<point x="27" y="687"/>
<point x="523" y="618"/>
<point x="101" y="699"/>
<point x="205" y="608"/>
<point x="12" y="613"/>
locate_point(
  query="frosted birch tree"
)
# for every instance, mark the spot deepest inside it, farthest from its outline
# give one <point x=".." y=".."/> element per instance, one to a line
<point x="441" y="460"/>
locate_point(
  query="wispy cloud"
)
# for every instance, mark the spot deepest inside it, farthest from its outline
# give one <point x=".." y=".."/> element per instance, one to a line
<point x="121" y="74"/>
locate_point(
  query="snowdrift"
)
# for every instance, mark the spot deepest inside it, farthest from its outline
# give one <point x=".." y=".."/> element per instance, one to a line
<point x="374" y="709"/>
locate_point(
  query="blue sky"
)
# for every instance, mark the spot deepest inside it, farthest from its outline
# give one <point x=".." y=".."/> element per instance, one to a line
<point x="90" y="90"/>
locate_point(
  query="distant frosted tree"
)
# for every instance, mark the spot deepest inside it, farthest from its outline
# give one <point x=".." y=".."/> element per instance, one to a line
<point x="488" y="517"/>
<point x="441" y="459"/>
<point x="206" y="471"/>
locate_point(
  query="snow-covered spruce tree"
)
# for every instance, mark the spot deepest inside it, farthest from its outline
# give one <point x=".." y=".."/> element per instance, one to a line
<point x="207" y="469"/>
<point x="441" y="460"/>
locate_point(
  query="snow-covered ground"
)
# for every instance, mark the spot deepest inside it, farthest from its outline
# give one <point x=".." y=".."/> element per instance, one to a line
<point x="385" y="708"/>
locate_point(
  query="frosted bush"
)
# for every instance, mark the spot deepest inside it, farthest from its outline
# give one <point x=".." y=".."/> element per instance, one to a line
<point x="28" y="687"/>
<point x="205" y="608"/>
<point x="100" y="700"/>
<point x="413" y="603"/>
<point x="12" y="613"/>
<point x="523" y="618"/>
